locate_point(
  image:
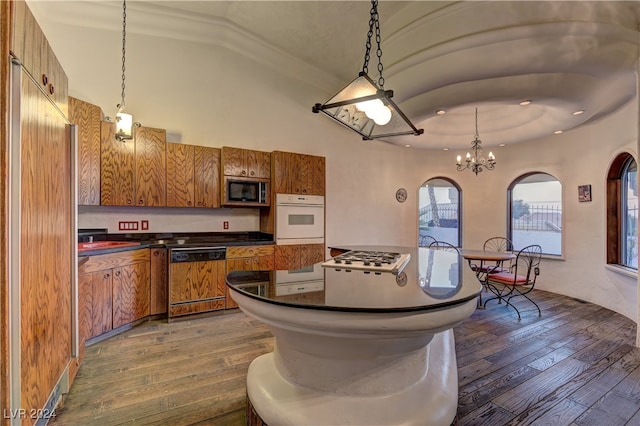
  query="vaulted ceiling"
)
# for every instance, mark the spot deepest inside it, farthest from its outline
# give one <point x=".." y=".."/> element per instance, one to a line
<point x="564" y="57"/>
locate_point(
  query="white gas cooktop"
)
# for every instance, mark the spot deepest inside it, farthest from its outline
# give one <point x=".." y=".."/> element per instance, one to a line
<point x="369" y="261"/>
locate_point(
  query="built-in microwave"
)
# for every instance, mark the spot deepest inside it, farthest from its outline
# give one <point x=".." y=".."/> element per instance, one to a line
<point x="239" y="191"/>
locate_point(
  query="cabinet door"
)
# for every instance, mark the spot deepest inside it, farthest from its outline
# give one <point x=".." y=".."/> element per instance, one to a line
<point x="88" y="118"/>
<point x="258" y="164"/>
<point x="180" y="175"/>
<point x="207" y="177"/>
<point x="287" y="257"/>
<point x="304" y="181"/>
<point x="130" y="293"/>
<point x="208" y="279"/>
<point x="240" y="264"/>
<point x="150" y="178"/>
<point x="310" y="254"/>
<point x="158" y="297"/>
<point x="284" y="173"/>
<point x="318" y="172"/>
<point x="263" y="263"/>
<point x="233" y="161"/>
<point x="95" y="304"/>
<point x="181" y="282"/>
<point x="117" y="168"/>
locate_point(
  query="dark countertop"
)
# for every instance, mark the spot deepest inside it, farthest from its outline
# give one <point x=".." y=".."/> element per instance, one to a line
<point x="433" y="279"/>
<point x="171" y="240"/>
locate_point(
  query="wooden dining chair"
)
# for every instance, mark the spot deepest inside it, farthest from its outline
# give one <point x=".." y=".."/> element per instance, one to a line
<point x="426" y="240"/>
<point x="519" y="281"/>
<point x="500" y="245"/>
<point x="443" y="245"/>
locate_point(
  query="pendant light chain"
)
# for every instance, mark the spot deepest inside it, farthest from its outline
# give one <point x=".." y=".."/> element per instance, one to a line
<point x="374" y="22"/>
<point x="124" y="48"/>
<point x="477" y="134"/>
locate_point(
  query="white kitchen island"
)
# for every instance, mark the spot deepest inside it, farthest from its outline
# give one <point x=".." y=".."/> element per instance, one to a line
<point x="368" y="349"/>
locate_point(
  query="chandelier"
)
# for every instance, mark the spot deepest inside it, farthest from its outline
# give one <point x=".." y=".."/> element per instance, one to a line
<point x="364" y="106"/>
<point x="474" y="159"/>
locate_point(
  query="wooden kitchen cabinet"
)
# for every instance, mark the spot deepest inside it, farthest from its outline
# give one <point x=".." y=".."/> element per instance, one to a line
<point x="207" y="176"/>
<point x="298" y="173"/>
<point x="114" y="290"/>
<point x="248" y="258"/>
<point x="32" y="48"/>
<point x="158" y="281"/>
<point x="88" y="119"/>
<point x="132" y="172"/>
<point x="117" y="168"/>
<point x="241" y="162"/>
<point x="196" y="287"/>
<point x="298" y="256"/>
<point x="150" y="155"/>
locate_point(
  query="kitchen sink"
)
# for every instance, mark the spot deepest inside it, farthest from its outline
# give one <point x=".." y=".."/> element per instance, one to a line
<point x="97" y="245"/>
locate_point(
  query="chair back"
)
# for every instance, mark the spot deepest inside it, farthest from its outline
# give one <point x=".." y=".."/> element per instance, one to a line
<point x="443" y="245"/>
<point x="426" y="240"/>
<point x="498" y="244"/>
<point x="527" y="263"/>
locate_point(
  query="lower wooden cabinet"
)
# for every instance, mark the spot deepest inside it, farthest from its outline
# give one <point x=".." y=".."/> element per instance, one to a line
<point x="248" y="258"/>
<point x="196" y="287"/>
<point x="298" y="256"/>
<point x="113" y="290"/>
<point x="159" y="283"/>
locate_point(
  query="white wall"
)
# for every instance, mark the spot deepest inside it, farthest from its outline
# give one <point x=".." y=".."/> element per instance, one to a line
<point x="207" y="95"/>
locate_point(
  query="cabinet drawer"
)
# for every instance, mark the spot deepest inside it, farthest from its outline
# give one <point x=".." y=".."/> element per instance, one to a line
<point x="112" y="260"/>
<point x="249" y="251"/>
<point x="299" y="287"/>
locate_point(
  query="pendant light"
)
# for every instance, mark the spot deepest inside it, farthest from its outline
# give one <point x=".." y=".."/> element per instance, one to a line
<point x="364" y="106"/>
<point x="476" y="162"/>
<point x="124" y="121"/>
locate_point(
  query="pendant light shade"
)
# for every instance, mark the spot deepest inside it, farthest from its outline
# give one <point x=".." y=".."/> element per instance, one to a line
<point x="364" y="106"/>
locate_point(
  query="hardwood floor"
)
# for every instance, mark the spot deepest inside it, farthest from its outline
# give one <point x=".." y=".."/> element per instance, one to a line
<point x="574" y="365"/>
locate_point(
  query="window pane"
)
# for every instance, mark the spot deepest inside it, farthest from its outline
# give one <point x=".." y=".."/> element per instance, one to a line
<point x="630" y="219"/>
<point x="536" y="213"/>
<point x="438" y="214"/>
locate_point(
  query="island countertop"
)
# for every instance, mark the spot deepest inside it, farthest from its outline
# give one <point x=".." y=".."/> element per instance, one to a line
<point x="432" y="280"/>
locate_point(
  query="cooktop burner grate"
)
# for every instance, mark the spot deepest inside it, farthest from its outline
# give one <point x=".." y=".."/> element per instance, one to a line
<point x="376" y="261"/>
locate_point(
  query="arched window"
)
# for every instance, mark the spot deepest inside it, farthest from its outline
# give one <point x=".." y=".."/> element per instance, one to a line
<point x="439" y="212"/>
<point x="535" y="212"/>
<point x="622" y="212"/>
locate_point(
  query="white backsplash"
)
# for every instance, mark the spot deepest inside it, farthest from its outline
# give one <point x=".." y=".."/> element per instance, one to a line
<point x="163" y="220"/>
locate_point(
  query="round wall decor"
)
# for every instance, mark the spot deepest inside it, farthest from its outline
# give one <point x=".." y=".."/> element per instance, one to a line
<point x="401" y="195"/>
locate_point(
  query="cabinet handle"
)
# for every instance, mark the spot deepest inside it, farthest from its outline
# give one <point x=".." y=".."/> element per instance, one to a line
<point x="140" y="201"/>
<point x="199" y="203"/>
<point x="51" y="89"/>
<point x="304" y="191"/>
<point x="106" y="275"/>
<point x="128" y="200"/>
<point x="246" y="262"/>
<point x="117" y="273"/>
<point x="252" y="173"/>
<point x="256" y="260"/>
<point x="189" y="203"/>
<point x="156" y="253"/>
<point x="45" y="79"/>
<point x="244" y="172"/>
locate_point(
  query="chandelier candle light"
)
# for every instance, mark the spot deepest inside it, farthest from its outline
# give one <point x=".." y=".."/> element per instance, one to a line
<point x="364" y="106"/>
<point x="476" y="162"/>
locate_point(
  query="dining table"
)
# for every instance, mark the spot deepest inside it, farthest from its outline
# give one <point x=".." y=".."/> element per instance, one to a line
<point x="485" y="262"/>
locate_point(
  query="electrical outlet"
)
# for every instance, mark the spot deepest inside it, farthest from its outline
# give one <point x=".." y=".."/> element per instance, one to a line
<point x="144" y="225"/>
<point x="225" y="225"/>
<point x="128" y="225"/>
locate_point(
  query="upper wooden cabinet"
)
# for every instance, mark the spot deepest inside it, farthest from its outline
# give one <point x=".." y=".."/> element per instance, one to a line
<point x="193" y="176"/>
<point x="132" y="172"/>
<point x="246" y="163"/>
<point x="31" y="47"/>
<point x="87" y="118"/>
<point x="151" y="179"/>
<point x="298" y="173"/>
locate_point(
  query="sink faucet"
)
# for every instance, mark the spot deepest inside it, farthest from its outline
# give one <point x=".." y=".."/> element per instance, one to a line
<point x="91" y="238"/>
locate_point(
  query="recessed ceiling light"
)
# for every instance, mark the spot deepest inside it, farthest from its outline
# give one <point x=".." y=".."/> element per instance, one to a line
<point x="525" y="103"/>
<point x="407" y="146"/>
<point x="441" y="112"/>
<point x="557" y="132"/>
<point x="502" y="144"/>
<point x="578" y="112"/>
<point x="445" y="149"/>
